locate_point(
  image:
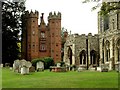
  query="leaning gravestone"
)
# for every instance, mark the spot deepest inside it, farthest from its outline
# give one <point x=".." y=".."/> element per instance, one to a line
<point x="16" y="66"/>
<point x="21" y="66"/>
<point x="40" y="66"/>
<point x="25" y="65"/>
<point x="23" y="62"/>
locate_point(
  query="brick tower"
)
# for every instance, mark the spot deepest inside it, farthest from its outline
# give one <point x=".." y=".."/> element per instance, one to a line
<point x="41" y="40"/>
<point x="54" y="27"/>
<point x="30" y="36"/>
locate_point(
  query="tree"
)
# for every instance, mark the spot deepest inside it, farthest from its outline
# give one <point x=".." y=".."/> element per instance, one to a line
<point x="11" y="28"/>
<point x="105" y="7"/>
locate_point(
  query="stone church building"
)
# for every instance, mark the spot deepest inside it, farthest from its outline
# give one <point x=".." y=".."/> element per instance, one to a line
<point x="95" y="50"/>
<point x="41" y="40"/>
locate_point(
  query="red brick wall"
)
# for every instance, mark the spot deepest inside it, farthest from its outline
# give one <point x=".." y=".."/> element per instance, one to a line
<point x="36" y="45"/>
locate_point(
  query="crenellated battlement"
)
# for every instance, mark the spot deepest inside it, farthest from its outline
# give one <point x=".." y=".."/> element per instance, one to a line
<point x="31" y="14"/>
<point x="84" y="35"/>
<point x="54" y="16"/>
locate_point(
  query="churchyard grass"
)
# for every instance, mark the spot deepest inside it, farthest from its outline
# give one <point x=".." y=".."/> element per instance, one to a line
<point x="71" y="79"/>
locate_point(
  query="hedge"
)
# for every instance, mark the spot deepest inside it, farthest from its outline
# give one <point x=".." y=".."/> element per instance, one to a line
<point x="48" y="61"/>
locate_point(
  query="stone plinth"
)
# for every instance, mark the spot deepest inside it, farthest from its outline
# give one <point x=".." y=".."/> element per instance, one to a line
<point x="58" y="69"/>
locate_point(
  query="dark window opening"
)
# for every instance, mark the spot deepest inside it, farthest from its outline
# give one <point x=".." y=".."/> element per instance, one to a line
<point x="106" y="23"/>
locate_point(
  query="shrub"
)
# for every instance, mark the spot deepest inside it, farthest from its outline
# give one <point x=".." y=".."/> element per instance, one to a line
<point x="34" y="61"/>
<point x="48" y="61"/>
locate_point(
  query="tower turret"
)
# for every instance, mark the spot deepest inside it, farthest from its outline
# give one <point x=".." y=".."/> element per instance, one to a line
<point x="54" y="16"/>
<point x="30" y="37"/>
<point x="54" y="22"/>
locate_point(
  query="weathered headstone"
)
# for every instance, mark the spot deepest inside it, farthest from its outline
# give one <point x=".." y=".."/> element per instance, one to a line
<point x="23" y="62"/>
<point x="1" y="65"/>
<point x="99" y="69"/>
<point x="40" y="66"/>
<point x="16" y="65"/>
<point x="58" y="64"/>
<point x="22" y="66"/>
<point x="23" y="70"/>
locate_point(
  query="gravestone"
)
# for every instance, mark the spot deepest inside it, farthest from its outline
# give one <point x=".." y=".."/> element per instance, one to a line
<point x="22" y="66"/>
<point x="25" y="65"/>
<point x="1" y="65"/>
<point x="23" y="62"/>
<point x="23" y="70"/>
<point x="16" y="65"/>
<point x="58" y="64"/>
<point x="40" y="66"/>
<point x="99" y="69"/>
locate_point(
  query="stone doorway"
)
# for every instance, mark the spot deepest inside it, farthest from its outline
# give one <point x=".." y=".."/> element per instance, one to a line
<point x="70" y="55"/>
<point x="83" y="57"/>
<point x="107" y="50"/>
<point x="93" y="57"/>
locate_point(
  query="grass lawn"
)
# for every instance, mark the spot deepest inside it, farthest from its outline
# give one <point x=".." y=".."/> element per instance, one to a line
<point x="69" y="79"/>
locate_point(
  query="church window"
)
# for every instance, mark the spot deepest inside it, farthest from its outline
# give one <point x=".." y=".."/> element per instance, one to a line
<point x="101" y="24"/>
<point x="118" y="51"/>
<point x="42" y="35"/>
<point x="33" y="32"/>
<point x="107" y="55"/>
<point x="56" y="44"/>
<point x="52" y="34"/>
<point x="42" y="47"/>
<point x="52" y="50"/>
<point x="106" y="23"/>
<point x="113" y="23"/>
<point x="33" y="46"/>
<point x="29" y="46"/>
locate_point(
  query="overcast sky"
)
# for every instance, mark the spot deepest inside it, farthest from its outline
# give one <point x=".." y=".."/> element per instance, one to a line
<point x="76" y="16"/>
